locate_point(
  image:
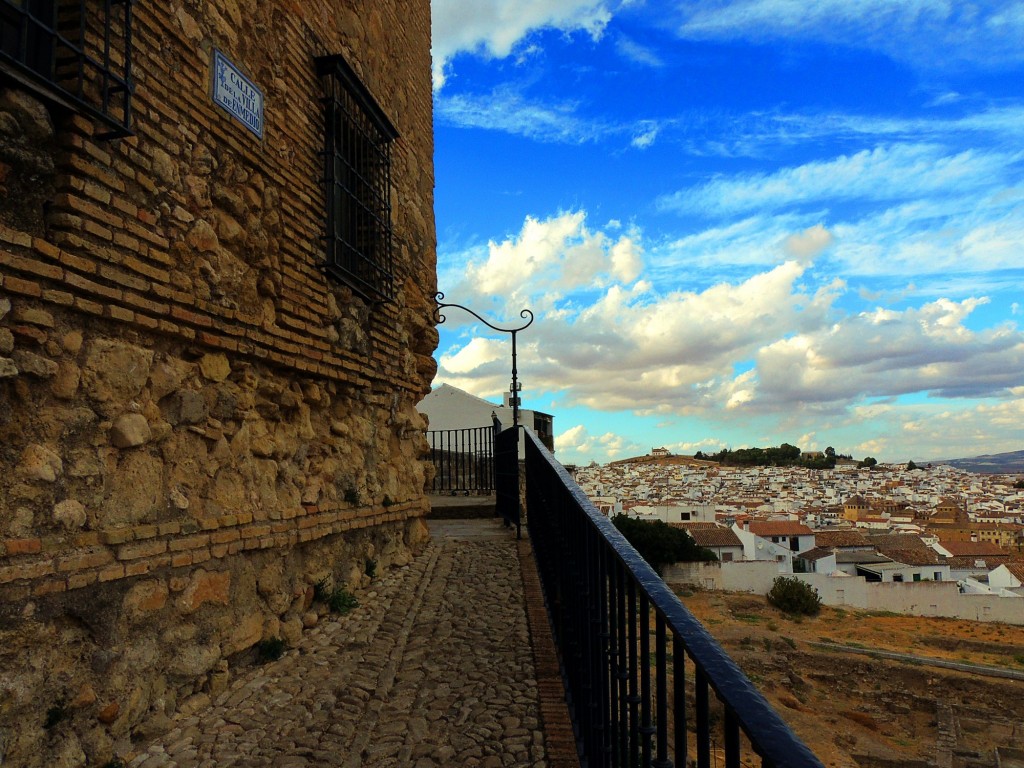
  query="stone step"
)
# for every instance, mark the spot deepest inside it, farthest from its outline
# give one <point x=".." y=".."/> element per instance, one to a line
<point x="461" y="507"/>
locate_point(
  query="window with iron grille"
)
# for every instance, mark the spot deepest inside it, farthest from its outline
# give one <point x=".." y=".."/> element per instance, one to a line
<point x="357" y="176"/>
<point x="76" y="53"/>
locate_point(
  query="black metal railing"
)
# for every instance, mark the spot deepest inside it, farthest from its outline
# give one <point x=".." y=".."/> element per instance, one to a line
<point x="77" y="53"/>
<point x="463" y="460"/>
<point x="633" y="705"/>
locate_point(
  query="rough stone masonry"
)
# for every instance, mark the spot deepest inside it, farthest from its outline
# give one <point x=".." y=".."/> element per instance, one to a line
<point x="200" y="431"/>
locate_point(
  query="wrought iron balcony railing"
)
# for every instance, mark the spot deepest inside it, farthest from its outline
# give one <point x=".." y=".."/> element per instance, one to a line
<point x="639" y="668"/>
<point x="463" y="460"/>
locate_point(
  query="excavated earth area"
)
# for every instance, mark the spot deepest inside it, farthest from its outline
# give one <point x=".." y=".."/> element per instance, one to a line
<point x="855" y="709"/>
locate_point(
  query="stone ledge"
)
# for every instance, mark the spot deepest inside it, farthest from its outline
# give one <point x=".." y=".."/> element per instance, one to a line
<point x="31" y="574"/>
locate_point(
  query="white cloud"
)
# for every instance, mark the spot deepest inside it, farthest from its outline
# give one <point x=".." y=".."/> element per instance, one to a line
<point x="551" y="258"/>
<point x="508" y="111"/>
<point x="637" y="52"/>
<point x="496" y="27"/>
<point x="884" y="173"/>
<point x="978" y="235"/>
<point x="888" y="353"/>
<point x="908" y="30"/>
<point x="646" y="134"/>
<point x="938" y="432"/>
<point x="608" y="338"/>
<point x="809" y="243"/>
<point x="577" y="444"/>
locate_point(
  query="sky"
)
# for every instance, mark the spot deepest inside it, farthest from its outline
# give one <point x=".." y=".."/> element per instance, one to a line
<point x="737" y="222"/>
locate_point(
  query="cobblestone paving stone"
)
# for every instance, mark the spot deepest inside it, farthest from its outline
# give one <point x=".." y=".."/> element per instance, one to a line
<point x="433" y="668"/>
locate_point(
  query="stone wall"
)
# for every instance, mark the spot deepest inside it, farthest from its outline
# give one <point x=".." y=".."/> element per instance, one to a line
<point x="197" y="426"/>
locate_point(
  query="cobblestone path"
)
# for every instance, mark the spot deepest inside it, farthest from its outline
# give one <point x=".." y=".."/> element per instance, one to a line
<point x="433" y="668"/>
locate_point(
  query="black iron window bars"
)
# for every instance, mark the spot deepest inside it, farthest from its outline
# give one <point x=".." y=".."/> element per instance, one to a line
<point x="75" y="53"/>
<point x="357" y="176"/>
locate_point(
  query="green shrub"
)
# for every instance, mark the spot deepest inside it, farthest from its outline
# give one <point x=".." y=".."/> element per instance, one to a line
<point x="793" y="596"/>
<point x="341" y="601"/>
<point x="659" y="543"/>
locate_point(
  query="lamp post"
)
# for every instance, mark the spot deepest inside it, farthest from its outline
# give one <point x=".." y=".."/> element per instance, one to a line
<point x="525" y="314"/>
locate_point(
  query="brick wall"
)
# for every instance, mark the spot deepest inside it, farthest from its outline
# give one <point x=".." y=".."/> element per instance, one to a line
<point x="188" y="405"/>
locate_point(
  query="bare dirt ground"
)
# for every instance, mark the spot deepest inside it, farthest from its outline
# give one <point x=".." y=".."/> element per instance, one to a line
<point x="853" y="709"/>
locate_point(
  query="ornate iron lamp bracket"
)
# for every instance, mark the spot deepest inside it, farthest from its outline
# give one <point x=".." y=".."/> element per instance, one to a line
<point x="525" y="314"/>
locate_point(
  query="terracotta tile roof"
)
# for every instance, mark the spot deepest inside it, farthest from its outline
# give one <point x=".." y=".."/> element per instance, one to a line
<point x="897" y="541"/>
<point x="780" y="528"/>
<point x="915" y="556"/>
<point x="1017" y="569"/>
<point x="840" y="539"/>
<point x="974" y="548"/>
<point x="815" y="554"/>
<point x="715" y="537"/>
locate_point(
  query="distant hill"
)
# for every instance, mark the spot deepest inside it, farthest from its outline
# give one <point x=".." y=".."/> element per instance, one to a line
<point x="992" y="464"/>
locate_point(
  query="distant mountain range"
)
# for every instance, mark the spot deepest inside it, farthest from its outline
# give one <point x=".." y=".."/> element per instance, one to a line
<point x="992" y="464"/>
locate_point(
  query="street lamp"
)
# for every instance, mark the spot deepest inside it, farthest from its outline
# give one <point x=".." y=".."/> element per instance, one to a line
<point x="525" y="314"/>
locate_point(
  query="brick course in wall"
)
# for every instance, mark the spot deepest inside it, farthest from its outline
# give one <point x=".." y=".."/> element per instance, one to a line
<point x="197" y="425"/>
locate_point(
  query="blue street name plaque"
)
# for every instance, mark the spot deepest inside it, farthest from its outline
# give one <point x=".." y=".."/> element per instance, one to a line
<point x="237" y="94"/>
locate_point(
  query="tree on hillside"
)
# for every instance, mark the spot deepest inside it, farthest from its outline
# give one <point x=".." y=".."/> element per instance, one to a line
<point x="659" y="543"/>
<point x="867" y="463"/>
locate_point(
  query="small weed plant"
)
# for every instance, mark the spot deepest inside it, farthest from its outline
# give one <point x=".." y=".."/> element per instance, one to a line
<point x="270" y="649"/>
<point x="794" y="597"/>
<point x="341" y="601"/>
<point x="321" y="591"/>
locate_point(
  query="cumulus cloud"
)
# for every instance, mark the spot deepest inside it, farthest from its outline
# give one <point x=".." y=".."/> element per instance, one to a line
<point x="495" y="27"/>
<point x="608" y="338"/>
<point x="809" y="243"/>
<point x="551" y="258"/>
<point x="577" y="442"/>
<point x="888" y="353"/>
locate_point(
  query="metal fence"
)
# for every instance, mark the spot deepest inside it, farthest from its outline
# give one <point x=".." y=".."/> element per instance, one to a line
<point x="639" y="696"/>
<point x="463" y="460"/>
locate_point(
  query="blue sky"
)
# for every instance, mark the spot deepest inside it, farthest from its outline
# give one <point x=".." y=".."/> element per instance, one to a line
<point x="738" y="222"/>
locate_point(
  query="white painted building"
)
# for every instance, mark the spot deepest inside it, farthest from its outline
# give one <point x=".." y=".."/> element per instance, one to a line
<point x="448" y="407"/>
